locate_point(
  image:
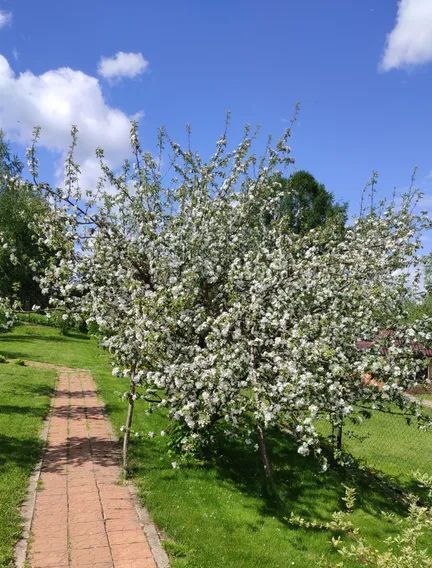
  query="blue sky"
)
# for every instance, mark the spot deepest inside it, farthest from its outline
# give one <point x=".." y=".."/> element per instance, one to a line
<point x="194" y="60"/>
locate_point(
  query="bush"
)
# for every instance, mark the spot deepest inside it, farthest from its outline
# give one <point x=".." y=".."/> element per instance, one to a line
<point x="55" y="318"/>
<point x="404" y="550"/>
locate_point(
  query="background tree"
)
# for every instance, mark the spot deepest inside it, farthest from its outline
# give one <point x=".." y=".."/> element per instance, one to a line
<point x="19" y="210"/>
<point x="305" y="203"/>
<point x="428" y="273"/>
<point x="419" y="307"/>
<point x="10" y="165"/>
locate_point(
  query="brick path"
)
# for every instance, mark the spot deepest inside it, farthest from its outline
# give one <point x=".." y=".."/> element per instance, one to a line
<point x="83" y="517"/>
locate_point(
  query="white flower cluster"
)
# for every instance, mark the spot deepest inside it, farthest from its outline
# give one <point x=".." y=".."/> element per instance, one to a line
<point x="6" y="308"/>
<point x="224" y="315"/>
<point x="6" y="315"/>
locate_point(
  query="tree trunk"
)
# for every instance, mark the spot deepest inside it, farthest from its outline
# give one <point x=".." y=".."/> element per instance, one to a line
<point x="128" y="424"/>
<point x="337" y="433"/>
<point x="339" y="437"/>
<point x="262" y="446"/>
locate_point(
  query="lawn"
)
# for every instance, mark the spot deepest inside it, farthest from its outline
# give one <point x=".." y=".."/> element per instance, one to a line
<point x="391" y="446"/>
<point x="24" y="402"/>
<point x="217" y="513"/>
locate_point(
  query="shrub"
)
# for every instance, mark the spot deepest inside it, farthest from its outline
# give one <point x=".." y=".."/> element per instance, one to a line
<point x="406" y="549"/>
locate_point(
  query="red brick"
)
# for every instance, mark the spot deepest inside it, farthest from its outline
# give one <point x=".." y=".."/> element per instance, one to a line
<point x="84" y="556"/>
<point x="134" y="551"/>
<point x="86" y="528"/>
<point x="49" y="559"/>
<point x="127" y="537"/>
<point x="145" y="563"/>
<point x="113" y="525"/>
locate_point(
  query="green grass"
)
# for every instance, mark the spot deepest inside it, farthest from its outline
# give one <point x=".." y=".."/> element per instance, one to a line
<point x="217" y="513"/>
<point x="393" y="447"/>
<point x="427" y="397"/>
<point x="24" y="402"/>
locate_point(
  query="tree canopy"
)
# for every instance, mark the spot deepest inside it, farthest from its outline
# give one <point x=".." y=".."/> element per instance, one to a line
<point x="10" y="165"/>
<point x="19" y="210"/>
<point x="306" y="203"/>
<point x="227" y="321"/>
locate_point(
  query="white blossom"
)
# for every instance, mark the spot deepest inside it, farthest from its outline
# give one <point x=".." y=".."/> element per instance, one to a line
<point x="218" y="311"/>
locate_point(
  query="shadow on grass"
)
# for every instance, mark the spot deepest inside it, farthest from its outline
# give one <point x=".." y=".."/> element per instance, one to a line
<point x="14" y="354"/>
<point x="21" y="452"/>
<point x="26" y="338"/>
<point x="32" y="389"/>
<point x="302" y="488"/>
<point x="10" y="409"/>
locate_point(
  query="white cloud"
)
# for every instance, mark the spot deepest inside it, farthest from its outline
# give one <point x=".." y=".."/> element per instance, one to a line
<point x="5" y="18"/>
<point x="122" y="65"/>
<point x="55" y="100"/>
<point x="410" y="41"/>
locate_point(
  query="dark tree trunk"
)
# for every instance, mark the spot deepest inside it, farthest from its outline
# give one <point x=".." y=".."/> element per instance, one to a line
<point x="268" y="471"/>
<point x="128" y="423"/>
<point x="262" y="446"/>
<point x="337" y="433"/>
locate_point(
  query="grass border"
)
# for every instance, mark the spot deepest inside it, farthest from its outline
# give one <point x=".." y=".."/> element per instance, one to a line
<point x="28" y="506"/>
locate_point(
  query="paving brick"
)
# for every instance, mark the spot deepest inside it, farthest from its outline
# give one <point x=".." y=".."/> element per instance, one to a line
<point x="93" y="565"/>
<point x="122" y="514"/>
<point x="54" y="543"/>
<point x="84" y="556"/>
<point x="127" y="537"/>
<point x="113" y="525"/>
<point x="140" y="563"/>
<point x="48" y="559"/>
<point x="96" y="540"/>
<point x="134" y="551"/>
<point x="86" y="528"/>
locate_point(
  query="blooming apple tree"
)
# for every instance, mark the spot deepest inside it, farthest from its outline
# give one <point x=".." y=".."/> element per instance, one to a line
<point x="213" y="308"/>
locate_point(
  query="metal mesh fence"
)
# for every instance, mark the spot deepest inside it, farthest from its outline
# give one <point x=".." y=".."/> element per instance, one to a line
<point x="391" y="446"/>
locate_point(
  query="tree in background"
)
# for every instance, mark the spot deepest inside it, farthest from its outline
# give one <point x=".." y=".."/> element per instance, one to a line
<point x="428" y="273"/>
<point x="19" y="209"/>
<point x="422" y="306"/>
<point x="305" y="203"/>
<point x="10" y="165"/>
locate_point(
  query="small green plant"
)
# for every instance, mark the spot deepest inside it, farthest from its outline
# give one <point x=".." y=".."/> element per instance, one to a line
<point x="340" y="522"/>
<point x="20" y="362"/>
<point x="3" y="359"/>
<point x="404" y="550"/>
<point x="175" y="550"/>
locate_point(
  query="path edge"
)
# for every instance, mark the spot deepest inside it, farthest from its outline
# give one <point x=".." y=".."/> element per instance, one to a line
<point x="28" y="505"/>
<point x="149" y="528"/>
